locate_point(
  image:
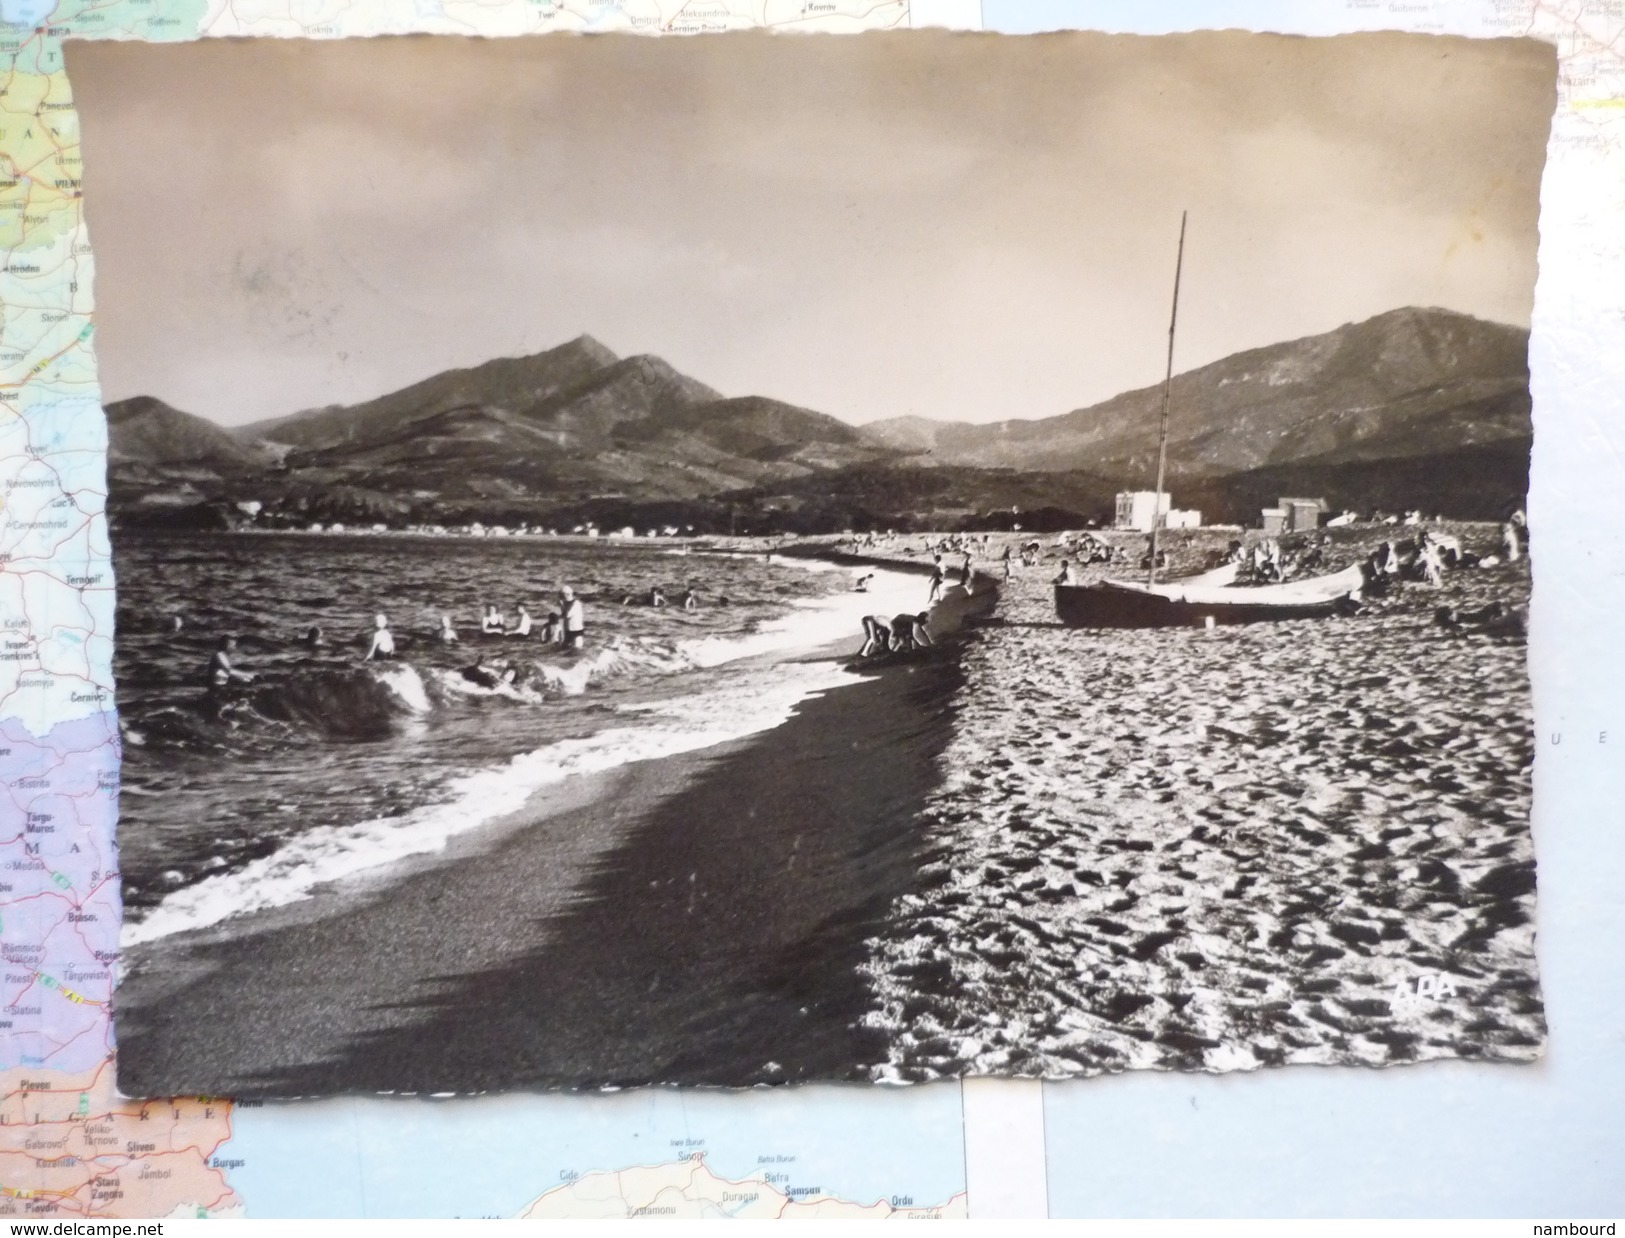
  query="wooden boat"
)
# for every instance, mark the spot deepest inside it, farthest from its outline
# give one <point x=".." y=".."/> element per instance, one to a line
<point x="1196" y="601"/>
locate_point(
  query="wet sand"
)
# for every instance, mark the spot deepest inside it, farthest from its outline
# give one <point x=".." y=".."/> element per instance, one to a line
<point x="700" y="919"/>
<point x="1301" y="842"/>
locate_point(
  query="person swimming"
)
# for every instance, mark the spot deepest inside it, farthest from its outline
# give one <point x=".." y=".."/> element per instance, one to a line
<point x="862" y="584"/>
<point x="522" y="626"/>
<point x="382" y="648"/>
<point x="490" y="673"/>
<point x="447" y="634"/>
<point x="314" y="638"/>
<point x="222" y="674"/>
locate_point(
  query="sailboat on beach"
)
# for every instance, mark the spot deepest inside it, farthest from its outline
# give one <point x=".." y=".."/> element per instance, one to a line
<point x="1197" y="601"/>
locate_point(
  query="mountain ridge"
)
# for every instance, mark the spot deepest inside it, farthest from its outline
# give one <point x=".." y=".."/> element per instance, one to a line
<point x="578" y="425"/>
<point x="1361" y="383"/>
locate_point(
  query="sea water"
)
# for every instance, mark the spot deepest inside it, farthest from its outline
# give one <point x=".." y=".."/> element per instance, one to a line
<point x="326" y="766"/>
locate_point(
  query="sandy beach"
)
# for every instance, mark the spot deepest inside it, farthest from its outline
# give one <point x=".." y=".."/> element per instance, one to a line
<point x="1282" y="843"/>
<point x="1031" y="850"/>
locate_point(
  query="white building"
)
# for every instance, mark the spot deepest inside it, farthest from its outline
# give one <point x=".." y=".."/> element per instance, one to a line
<point x="1135" y="510"/>
<point x="1139" y="509"/>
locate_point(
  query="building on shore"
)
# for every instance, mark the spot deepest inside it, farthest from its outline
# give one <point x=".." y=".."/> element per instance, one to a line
<point x="1293" y="515"/>
<point x="1140" y="509"/>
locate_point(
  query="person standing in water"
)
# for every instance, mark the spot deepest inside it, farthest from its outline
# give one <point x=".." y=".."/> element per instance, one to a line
<point x="447" y="634"/>
<point x="382" y="648"/>
<point x="574" y="618"/>
<point x="492" y="622"/>
<point x="222" y="674"/>
<point x="937" y="577"/>
<point x="522" y="627"/>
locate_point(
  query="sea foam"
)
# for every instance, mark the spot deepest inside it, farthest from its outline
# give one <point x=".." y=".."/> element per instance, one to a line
<point x="749" y="701"/>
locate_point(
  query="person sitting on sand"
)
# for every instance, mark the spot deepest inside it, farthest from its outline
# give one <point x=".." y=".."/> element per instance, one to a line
<point x="1385" y="559"/>
<point x="447" y="634"/>
<point x="522" y="626"/>
<point x="691" y="600"/>
<point x="382" y="648"/>
<point x="1450" y="551"/>
<point x="876" y="635"/>
<point x="657" y="596"/>
<point x="1494" y="618"/>
<point x="492" y="623"/>
<point x="1067" y="576"/>
<point x="909" y="631"/>
<point x="574" y="616"/>
<point x="222" y="674"/>
<point x="1515" y="622"/>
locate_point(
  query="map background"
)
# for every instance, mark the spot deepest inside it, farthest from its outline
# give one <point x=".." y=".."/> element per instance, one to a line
<point x="1445" y="1139"/>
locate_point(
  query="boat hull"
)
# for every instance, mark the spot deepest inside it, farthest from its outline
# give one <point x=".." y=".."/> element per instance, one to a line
<point x="1107" y="606"/>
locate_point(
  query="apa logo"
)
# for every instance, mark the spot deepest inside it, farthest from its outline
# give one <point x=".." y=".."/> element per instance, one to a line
<point x="1428" y="987"/>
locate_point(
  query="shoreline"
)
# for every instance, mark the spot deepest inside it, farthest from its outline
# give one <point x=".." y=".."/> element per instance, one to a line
<point x="605" y="963"/>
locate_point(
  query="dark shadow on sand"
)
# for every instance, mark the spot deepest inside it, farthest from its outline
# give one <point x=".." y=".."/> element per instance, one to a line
<point x="716" y="941"/>
<point x="720" y="944"/>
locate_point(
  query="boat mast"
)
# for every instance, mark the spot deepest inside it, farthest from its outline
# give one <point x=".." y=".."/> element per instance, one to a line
<point x="1167" y="387"/>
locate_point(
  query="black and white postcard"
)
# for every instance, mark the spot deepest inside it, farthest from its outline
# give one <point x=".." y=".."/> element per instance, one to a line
<point x="755" y="559"/>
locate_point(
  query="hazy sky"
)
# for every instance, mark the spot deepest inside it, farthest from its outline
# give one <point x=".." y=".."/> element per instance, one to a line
<point x="955" y="226"/>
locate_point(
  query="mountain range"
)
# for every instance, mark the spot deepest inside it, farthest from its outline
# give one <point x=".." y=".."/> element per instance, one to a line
<point x="1418" y="408"/>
